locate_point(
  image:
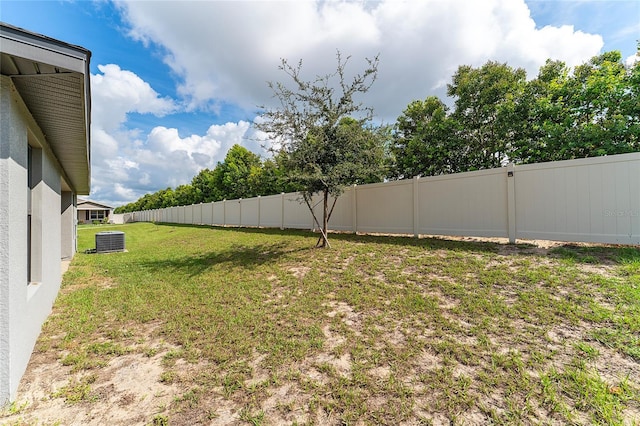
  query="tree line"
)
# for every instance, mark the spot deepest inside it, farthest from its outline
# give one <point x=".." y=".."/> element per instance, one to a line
<point x="497" y="116"/>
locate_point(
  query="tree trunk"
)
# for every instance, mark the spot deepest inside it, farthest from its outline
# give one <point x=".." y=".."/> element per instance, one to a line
<point x="325" y="219"/>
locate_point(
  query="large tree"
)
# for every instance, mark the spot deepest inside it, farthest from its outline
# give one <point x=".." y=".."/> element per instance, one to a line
<point x="485" y="110"/>
<point x="426" y="141"/>
<point x="323" y="135"/>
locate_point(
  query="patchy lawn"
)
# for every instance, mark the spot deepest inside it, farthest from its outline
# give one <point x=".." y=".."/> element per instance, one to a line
<point x="200" y="325"/>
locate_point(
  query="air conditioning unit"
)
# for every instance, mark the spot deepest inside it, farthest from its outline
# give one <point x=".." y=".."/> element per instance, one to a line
<point x="109" y="241"/>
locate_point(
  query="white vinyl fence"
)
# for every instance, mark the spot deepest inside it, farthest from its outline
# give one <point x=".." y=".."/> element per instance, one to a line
<point x="585" y="200"/>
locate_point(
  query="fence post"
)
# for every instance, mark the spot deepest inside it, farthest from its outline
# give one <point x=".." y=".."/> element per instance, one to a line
<point x="354" y="210"/>
<point x="282" y="211"/>
<point x="416" y="208"/>
<point x="258" y="211"/>
<point x="224" y="212"/>
<point x="511" y="202"/>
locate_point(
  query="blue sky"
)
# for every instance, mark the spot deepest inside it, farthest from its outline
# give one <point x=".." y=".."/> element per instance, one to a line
<point x="176" y="84"/>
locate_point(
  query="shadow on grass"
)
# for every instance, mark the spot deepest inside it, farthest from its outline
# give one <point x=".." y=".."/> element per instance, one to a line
<point x="398" y="240"/>
<point x="597" y="254"/>
<point x="239" y="256"/>
<point x="244" y="256"/>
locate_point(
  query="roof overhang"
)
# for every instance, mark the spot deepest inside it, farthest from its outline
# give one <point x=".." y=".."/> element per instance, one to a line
<point x="92" y="205"/>
<point x="53" y="80"/>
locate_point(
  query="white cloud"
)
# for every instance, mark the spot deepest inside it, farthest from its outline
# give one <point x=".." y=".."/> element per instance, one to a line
<point x="228" y="50"/>
<point x="163" y="159"/>
<point x="117" y="92"/>
<point x="224" y="52"/>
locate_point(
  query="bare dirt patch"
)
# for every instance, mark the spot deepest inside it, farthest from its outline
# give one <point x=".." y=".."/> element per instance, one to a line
<point x="128" y="391"/>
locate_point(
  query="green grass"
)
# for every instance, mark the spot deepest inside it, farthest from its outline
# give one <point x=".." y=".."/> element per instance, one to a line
<point x="376" y="330"/>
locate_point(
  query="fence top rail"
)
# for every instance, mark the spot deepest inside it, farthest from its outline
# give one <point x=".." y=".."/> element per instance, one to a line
<point x="465" y="175"/>
<point x="579" y="162"/>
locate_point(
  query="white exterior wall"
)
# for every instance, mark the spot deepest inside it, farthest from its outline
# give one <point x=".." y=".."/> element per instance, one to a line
<point x="25" y="306"/>
<point x="68" y="224"/>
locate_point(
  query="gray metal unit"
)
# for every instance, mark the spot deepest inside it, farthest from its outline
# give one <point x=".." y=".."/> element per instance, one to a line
<point x="109" y="241"/>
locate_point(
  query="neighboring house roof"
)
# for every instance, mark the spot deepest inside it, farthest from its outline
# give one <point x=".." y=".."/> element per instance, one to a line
<point x="92" y="205"/>
<point x="53" y="80"/>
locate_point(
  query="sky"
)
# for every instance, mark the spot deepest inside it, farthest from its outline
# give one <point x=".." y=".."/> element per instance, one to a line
<point x="175" y="84"/>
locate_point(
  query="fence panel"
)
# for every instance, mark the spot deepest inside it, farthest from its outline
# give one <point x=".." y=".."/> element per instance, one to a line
<point x="472" y="203"/>
<point x="342" y="217"/>
<point x="218" y="213"/>
<point x="590" y="200"/>
<point x="207" y="213"/>
<point x="296" y="213"/>
<point x="188" y="215"/>
<point x="197" y="214"/>
<point x="250" y="211"/>
<point x="385" y="207"/>
<point x="271" y="211"/>
<point x="232" y="212"/>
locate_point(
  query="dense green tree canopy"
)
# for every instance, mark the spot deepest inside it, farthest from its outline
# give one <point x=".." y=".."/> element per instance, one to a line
<point x="484" y="104"/>
<point x="426" y="141"/>
<point x="499" y="116"/>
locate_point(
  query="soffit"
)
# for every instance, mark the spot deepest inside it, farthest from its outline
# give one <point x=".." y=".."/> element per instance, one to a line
<point x="53" y="81"/>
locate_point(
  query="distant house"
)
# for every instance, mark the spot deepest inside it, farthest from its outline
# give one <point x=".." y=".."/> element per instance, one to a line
<point x="90" y="211"/>
<point x="45" y="115"/>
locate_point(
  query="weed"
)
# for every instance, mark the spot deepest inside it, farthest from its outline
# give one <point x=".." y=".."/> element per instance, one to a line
<point x="255" y="419"/>
<point x="77" y="391"/>
<point x="159" y="420"/>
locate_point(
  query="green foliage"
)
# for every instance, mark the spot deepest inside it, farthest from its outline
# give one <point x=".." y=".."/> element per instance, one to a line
<point x="485" y="100"/>
<point x="425" y="141"/>
<point x="77" y="390"/>
<point x="321" y="133"/>
<point x="159" y="420"/>
<point x="328" y="159"/>
<point x="233" y="177"/>
<point x="499" y="116"/>
<point x="325" y="141"/>
<point x="592" y="111"/>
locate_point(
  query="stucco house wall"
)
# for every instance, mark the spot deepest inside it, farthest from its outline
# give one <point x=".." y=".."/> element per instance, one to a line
<point x="89" y="211"/>
<point x="37" y="199"/>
